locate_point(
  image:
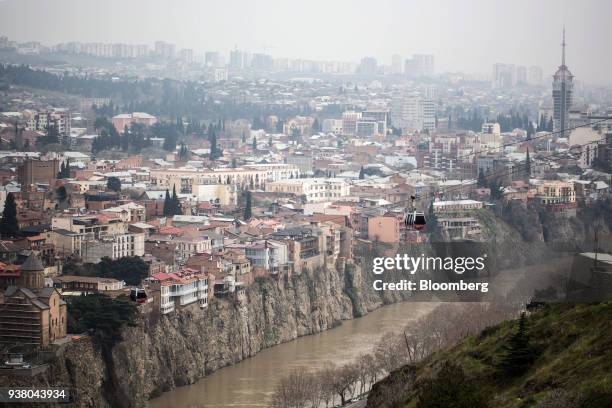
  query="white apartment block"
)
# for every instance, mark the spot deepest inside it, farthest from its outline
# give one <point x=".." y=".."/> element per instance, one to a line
<point x="349" y="122"/>
<point x="112" y="246"/>
<point x="42" y="120"/>
<point x="313" y="189"/>
<point x="256" y="175"/>
<point x="413" y="112"/>
<point x="181" y="288"/>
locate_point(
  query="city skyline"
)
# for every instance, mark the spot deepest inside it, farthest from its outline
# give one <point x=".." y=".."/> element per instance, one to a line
<point x="280" y="31"/>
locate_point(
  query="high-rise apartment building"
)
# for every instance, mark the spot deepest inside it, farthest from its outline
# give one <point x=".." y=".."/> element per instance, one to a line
<point x="396" y="64"/>
<point x="368" y="66"/>
<point x="420" y="65"/>
<point x="43" y="121"/>
<point x="503" y="76"/>
<point x="236" y="62"/>
<point x="413" y="112"/>
<point x="165" y="50"/>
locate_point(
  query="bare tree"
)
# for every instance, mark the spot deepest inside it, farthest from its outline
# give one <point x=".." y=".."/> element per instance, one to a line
<point x="299" y="389"/>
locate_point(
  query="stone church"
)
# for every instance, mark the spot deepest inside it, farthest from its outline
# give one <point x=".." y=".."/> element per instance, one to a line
<point x="30" y="313"/>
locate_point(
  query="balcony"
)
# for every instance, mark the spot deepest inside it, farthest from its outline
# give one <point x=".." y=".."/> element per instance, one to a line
<point x="183" y="291"/>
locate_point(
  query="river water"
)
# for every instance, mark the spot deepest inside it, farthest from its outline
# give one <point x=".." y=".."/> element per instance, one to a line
<point x="251" y="382"/>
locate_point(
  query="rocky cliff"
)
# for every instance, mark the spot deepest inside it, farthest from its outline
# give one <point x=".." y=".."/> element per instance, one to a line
<point x="163" y="352"/>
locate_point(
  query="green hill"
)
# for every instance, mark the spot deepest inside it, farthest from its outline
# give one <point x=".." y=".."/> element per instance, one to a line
<point x="569" y="365"/>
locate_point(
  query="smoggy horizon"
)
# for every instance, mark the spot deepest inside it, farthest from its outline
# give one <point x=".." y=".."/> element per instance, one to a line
<point x="463" y="36"/>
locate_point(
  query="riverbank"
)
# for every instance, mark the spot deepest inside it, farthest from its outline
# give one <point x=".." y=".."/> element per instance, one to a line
<point x="251" y="382"/>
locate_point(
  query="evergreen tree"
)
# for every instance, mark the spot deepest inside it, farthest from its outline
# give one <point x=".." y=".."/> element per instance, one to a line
<point x="8" y="225"/>
<point x="248" y="206"/>
<point x="61" y="172"/>
<point x="214" y="153"/>
<point x="527" y="165"/>
<point x="432" y="223"/>
<point x="167" y="204"/>
<point x="316" y="127"/>
<point x="519" y="354"/>
<point x="183" y="152"/>
<point x="361" y="174"/>
<point x="482" y="180"/>
<point x="233" y="163"/>
<point x="175" y="203"/>
<point x="280" y="126"/>
<point x="254" y="143"/>
<point x="113" y="184"/>
<point x="542" y="123"/>
<point x="530" y="130"/>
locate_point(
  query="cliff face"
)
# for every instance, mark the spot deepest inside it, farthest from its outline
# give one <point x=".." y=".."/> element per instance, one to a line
<point x="183" y="347"/>
<point x="163" y="352"/>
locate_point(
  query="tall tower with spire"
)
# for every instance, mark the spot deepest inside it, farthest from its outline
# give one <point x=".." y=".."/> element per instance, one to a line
<point x="563" y="89"/>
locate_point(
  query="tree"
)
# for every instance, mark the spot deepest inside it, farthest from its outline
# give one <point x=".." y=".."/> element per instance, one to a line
<point x="167" y="204"/>
<point x="299" y="389"/>
<point x="214" y="153"/>
<point x="183" y="152"/>
<point x="258" y="124"/>
<point x="482" y="180"/>
<point x="248" y="206"/>
<point x="61" y="194"/>
<point x="233" y="164"/>
<point x="527" y="165"/>
<point x="62" y="171"/>
<point x="519" y="354"/>
<point x="113" y="184"/>
<point x="101" y="314"/>
<point x="66" y="173"/>
<point x="254" y="143"/>
<point x="450" y="389"/>
<point x="131" y="269"/>
<point x="316" y="127"/>
<point x="8" y="225"/>
<point x="175" y="204"/>
<point x="361" y="174"/>
<point x="530" y="130"/>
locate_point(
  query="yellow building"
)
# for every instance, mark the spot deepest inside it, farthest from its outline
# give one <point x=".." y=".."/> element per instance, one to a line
<point x="556" y="192"/>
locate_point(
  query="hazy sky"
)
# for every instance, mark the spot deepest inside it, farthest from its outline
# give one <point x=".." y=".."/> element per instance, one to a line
<point x="464" y="35"/>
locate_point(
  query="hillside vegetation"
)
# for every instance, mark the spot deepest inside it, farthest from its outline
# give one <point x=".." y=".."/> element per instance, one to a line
<point x="561" y="358"/>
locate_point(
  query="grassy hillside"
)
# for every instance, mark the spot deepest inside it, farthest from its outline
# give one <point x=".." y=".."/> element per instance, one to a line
<point x="569" y="365"/>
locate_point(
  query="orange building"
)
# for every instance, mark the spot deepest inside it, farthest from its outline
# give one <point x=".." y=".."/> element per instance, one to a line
<point x="384" y="229"/>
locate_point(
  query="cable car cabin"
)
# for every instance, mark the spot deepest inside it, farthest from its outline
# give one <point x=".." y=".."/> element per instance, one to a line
<point x="138" y="295"/>
<point x="415" y="220"/>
